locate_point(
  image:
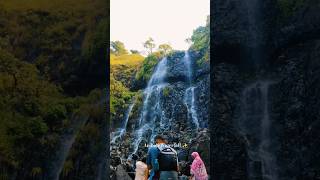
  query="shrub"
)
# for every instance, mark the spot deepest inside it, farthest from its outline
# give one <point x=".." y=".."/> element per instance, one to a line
<point x="147" y="67"/>
<point x="166" y="91"/>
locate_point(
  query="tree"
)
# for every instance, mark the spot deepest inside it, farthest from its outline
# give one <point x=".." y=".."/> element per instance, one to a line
<point x="165" y="49"/>
<point x="200" y="41"/>
<point x="118" y="48"/>
<point x="200" y="38"/>
<point x="149" y="45"/>
<point x="134" y="51"/>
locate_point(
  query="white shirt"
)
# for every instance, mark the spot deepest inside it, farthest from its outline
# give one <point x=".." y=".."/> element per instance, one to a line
<point x="141" y="168"/>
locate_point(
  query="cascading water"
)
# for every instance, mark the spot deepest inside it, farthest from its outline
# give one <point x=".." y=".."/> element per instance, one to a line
<point x="188" y="65"/>
<point x="189" y="100"/>
<point x="151" y="114"/>
<point x="255" y="125"/>
<point x="255" y="32"/>
<point x="152" y="117"/>
<point x="253" y="8"/>
<point x="120" y="132"/>
<point x="67" y="140"/>
<point x="189" y="96"/>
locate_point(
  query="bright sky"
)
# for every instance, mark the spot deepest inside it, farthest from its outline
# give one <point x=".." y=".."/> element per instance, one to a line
<point x="166" y="21"/>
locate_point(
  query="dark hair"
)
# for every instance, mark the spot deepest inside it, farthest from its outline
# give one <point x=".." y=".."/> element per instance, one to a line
<point x="135" y="157"/>
<point x="144" y="159"/>
<point x="159" y="137"/>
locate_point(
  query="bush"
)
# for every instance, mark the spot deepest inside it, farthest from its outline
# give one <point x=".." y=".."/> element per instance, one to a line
<point x="201" y="41"/>
<point x="147" y="67"/>
<point x="166" y="91"/>
<point x="55" y="114"/>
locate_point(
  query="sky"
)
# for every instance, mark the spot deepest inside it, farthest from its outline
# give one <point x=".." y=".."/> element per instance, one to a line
<point x="166" y="21"/>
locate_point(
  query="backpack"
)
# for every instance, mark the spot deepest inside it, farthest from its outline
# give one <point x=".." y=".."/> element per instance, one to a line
<point x="167" y="158"/>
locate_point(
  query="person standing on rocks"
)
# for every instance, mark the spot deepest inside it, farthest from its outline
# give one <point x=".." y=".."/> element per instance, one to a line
<point x="162" y="160"/>
<point x="141" y="170"/>
<point x="198" y="169"/>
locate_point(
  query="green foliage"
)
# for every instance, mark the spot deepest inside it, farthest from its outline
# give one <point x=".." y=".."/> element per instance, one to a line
<point x="123" y="69"/>
<point x="55" y="114"/>
<point x="166" y="91"/>
<point x="92" y="64"/>
<point x="165" y="49"/>
<point x="30" y="109"/>
<point x="129" y="60"/>
<point x="200" y="40"/>
<point x="147" y="67"/>
<point x="63" y="43"/>
<point x="47" y="50"/>
<point x="118" y="48"/>
<point x="134" y="51"/>
<point x="119" y="95"/>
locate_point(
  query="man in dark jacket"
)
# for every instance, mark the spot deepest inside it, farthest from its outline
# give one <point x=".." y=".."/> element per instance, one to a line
<point x="162" y="160"/>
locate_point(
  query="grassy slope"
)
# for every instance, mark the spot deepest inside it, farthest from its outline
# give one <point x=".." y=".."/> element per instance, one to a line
<point x="128" y="60"/>
<point x="125" y="66"/>
<point x="123" y="69"/>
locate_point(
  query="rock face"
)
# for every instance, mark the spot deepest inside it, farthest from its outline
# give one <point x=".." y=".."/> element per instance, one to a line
<point x="302" y="25"/>
<point x="174" y="104"/>
<point x="121" y="173"/>
<point x="176" y="69"/>
<point x="241" y="27"/>
<point x="296" y="110"/>
<point x="228" y="148"/>
<point x="290" y="49"/>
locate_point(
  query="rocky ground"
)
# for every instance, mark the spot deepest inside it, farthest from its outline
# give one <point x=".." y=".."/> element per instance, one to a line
<point x="190" y="141"/>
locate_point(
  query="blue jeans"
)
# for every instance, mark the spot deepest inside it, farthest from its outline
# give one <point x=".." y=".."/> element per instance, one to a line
<point x="168" y="175"/>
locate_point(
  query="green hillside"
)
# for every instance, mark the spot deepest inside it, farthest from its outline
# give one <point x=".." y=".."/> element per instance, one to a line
<point x="52" y="74"/>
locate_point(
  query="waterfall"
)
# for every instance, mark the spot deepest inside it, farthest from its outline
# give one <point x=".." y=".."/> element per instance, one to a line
<point x="255" y="33"/>
<point x="120" y="132"/>
<point x="189" y="96"/>
<point x="151" y="115"/>
<point x="255" y="125"/>
<point x="67" y="140"/>
<point x="189" y="100"/>
<point x="253" y="8"/>
<point x="188" y="65"/>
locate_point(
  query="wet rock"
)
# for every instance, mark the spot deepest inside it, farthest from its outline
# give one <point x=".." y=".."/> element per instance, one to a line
<point x="122" y="174"/>
<point x="240" y="28"/>
<point x="176" y="70"/>
<point x="294" y="111"/>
